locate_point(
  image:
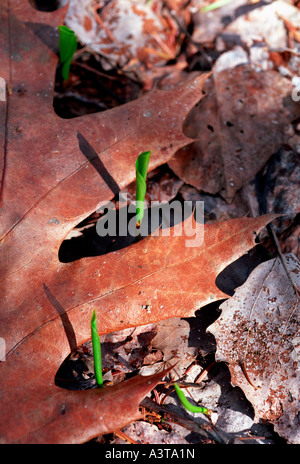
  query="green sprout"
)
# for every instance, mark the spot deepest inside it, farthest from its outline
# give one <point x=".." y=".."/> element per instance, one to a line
<point x="67" y="48"/>
<point x="141" y="167"/>
<point x="190" y="407"/>
<point x="96" y="350"/>
<point x="215" y="5"/>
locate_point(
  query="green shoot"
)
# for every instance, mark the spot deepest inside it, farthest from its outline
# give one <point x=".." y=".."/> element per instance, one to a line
<point x="96" y="350"/>
<point x="215" y="5"/>
<point x="67" y="48"/>
<point x="184" y="401"/>
<point x="141" y="167"/>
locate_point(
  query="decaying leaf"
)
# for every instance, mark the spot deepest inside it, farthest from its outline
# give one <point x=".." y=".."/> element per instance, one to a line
<point x="124" y="33"/>
<point x="240" y="124"/>
<point x="258" y="335"/>
<point x="263" y="25"/>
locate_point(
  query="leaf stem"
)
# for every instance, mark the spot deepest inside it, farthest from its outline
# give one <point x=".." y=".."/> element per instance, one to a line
<point x="141" y="168"/>
<point x="215" y="5"/>
<point x="67" y="48"/>
<point x="96" y="350"/>
<point x="185" y="403"/>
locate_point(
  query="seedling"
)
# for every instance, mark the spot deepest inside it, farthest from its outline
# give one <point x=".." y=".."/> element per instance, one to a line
<point x="185" y="402"/>
<point x="215" y="5"/>
<point x="67" y="48"/>
<point x="141" y="168"/>
<point x="96" y="350"/>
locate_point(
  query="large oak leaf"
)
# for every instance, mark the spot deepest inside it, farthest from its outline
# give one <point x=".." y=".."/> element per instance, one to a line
<point x="54" y="173"/>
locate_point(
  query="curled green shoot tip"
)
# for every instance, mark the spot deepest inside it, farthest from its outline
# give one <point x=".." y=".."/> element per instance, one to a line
<point x="185" y="403"/>
<point x="215" y="5"/>
<point x="67" y="48"/>
<point x="141" y="168"/>
<point x="96" y="350"/>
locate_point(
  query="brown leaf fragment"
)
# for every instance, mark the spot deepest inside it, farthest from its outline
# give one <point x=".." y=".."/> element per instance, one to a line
<point x="258" y="335"/>
<point x="82" y="415"/>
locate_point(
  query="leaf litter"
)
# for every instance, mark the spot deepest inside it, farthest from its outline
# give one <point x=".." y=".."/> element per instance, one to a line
<point x="234" y="413"/>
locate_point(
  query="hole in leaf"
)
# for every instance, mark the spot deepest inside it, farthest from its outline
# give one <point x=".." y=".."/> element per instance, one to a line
<point x="91" y="89"/>
<point x="47" y="5"/>
<point x="114" y="228"/>
<point x="123" y="353"/>
<point x="84" y="241"/>
<point x="236" y="273"/>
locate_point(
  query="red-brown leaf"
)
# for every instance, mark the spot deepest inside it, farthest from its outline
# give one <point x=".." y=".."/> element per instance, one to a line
<point x="54" y="173"/>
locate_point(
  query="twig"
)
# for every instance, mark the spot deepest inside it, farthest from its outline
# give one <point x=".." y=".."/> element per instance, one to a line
<point x="125" y="437"/>
<point x="101" y="23"/>
<point x="244" y="370"/>
<point x="157" y="396"/>
<point x="203" y="427"/>
<point x="204" y="372"/>
<point x="95" y="71"/>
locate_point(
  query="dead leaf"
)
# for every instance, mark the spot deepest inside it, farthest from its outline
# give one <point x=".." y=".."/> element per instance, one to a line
<point x="240" y="124"/>
<point x="54" y="174"/>
<point x="77" y="416"/>
<point x="61" y="179"/>
<point x="125" y="34"/>
<point x="207" y="26"/>
<point x="262" y="25"/>
<point x="129" y="282"/>
<point x="257" y="334"/>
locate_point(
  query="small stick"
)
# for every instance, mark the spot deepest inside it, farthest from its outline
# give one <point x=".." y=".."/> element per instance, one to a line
<point x="203" y="427"/>
<point x="125" y="437"/>
<point x="243" y="367"/>
<point x="101" y="23"/>
<point x="204" y="372"/>
<point x="95" y="71"/>
<point x="157" y="397"/>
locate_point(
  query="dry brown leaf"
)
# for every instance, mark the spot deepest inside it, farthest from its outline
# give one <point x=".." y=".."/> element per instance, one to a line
<point x="240" y="124"/>
<point x="52" y="177"/>
<point x="258" y="335"/>
<point x="157" y="278"/>
<point x="63" y="169"/>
